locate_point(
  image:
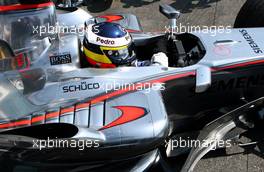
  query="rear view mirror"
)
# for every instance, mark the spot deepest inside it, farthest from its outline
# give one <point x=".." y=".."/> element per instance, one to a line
<point x="203" y="79"/>
<point x="169" y="11"/>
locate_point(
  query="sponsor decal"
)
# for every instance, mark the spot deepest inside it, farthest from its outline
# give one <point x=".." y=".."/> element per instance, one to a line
<point x="60" y="59"/>
<point x="251" y="41"/>
<point x="83" y="86"/>
<point x="238" y="83"/>
<point x="222" y="50"/>
<point x="105" y="41"/>
<point x="129" y="114"/>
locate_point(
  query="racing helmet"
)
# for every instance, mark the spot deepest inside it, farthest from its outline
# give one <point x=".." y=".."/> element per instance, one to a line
<point x="107" y="45"/>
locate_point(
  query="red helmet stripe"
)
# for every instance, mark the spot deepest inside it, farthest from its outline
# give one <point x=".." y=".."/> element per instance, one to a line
<point x="100" y="64"/>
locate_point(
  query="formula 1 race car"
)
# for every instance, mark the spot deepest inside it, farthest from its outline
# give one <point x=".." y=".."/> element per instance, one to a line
<point x="57" y="116"/>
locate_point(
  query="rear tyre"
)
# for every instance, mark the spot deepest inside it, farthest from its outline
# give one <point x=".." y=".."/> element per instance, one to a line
<point x="251" y="14"/>
<point x="96" y="6"/>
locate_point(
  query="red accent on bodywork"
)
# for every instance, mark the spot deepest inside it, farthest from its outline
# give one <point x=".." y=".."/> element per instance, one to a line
<point x="38" y="119"/>
<point x="7" y="125"/>
<point x="24" y="6"/>
<point x="129" y="113"/>
<point x="15" y="124"/>
<point x="111" y="18"/>
<point x="67" y="110"/>
<point x="52" y="115"/>
<point x="238" y="65"/>
<point x="83" y="105"/>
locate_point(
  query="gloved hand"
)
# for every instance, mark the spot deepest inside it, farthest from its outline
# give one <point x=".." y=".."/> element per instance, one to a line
<point x="160" y="59"/>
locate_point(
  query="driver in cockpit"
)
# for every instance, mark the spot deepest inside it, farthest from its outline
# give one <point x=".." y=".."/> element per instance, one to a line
<point x="109" y="45"/>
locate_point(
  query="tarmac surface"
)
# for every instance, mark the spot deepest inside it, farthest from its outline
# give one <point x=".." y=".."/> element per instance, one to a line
<point x="194" y="13"/>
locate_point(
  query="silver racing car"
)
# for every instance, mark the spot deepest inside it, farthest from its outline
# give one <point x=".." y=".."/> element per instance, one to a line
<point x="57" y="115"/>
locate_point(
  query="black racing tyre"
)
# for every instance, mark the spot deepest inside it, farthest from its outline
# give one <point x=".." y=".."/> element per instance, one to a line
<point x="251" y="14"/>
<point x="96" y="6"/>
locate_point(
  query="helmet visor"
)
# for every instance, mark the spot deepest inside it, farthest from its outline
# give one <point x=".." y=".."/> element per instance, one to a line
<point x="119" y="55"/>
